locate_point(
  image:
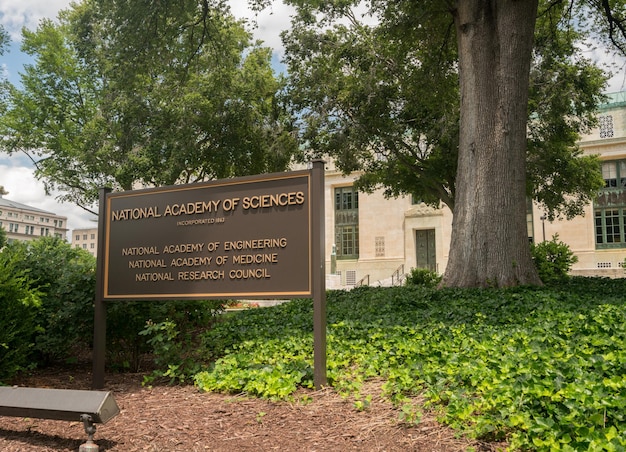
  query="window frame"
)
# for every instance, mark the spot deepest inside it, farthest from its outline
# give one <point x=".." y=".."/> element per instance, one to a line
<point x="346" y="205"/>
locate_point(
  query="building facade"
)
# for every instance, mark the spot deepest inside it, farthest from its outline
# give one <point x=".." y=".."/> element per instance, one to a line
<point x="22" y="222"/>
<point x="373" y="240"/>
<point x="86" y="239"/>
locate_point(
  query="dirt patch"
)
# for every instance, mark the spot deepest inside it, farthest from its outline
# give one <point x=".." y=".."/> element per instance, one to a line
<point x="180" y="418"/>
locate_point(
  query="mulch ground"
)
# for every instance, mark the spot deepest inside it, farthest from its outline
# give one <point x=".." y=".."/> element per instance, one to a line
<point x="181" y="418"/>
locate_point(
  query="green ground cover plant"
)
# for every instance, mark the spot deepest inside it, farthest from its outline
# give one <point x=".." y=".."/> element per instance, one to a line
<point x="543" y="368"/>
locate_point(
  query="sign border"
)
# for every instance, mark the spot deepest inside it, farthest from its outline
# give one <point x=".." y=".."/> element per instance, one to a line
<point x="240" y="181"/>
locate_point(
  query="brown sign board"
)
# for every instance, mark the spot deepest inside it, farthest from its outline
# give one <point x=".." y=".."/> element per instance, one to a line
<point x="234" y="238"/>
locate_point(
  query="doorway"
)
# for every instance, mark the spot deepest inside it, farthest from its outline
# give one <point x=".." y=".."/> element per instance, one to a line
<point x="425" y="249"/>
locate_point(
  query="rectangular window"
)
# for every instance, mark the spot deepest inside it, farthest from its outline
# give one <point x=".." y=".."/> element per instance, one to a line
<point x="93" y="236"/>
<point x="77" y="237"/>
<point x="84" y="236"/>
<point x="14" y="227"/>
<point x="609" y="228"/>
<point x="348" y="242"/>
<point x="609" y="174"/>
<point x="346" y="198"/>
<point x="347" y="222"/>
<point x="614" y="174"/>
<point x="610" y="206"/>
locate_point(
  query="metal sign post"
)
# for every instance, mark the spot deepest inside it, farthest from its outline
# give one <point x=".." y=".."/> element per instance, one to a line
<point x="100" y="310"/>
<point x="319" y="276"/>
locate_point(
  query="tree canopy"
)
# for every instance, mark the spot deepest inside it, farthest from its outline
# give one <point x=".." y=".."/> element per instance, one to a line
<point x="475" y="104"/>
<point x="384" y="98"/>
<point x="127" y="94"/>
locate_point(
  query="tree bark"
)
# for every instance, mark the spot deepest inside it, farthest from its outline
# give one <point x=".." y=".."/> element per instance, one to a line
<point x="489" y="245"/>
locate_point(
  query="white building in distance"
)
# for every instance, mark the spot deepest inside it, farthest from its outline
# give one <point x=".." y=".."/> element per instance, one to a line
<point x="86" y="239"/>
<point x="22" y="222"/>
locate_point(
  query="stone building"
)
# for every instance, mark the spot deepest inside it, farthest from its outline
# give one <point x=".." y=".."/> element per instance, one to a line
<point x="22" y="222"/>
<point x="86" y="239"/>
<point x="373" y="240"/>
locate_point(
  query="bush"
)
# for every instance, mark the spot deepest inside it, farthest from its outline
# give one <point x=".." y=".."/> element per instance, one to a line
<point x="65" y="278"/>
<point x="19" y="305"/>
<point x="174" y="337"/>
<point x="422" y="277"/>
<point x="61" y="328"/>
<point x="553" y="259"/>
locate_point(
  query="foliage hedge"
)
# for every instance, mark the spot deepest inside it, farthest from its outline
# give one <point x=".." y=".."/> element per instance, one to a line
<point x="543" y="368"/>
<point x="19" y="305"/>
<point x="47" y="292"/>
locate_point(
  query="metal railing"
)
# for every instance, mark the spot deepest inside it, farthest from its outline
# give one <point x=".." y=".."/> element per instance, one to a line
<point x="398" y="275"/>
<point x="364" y="281"/>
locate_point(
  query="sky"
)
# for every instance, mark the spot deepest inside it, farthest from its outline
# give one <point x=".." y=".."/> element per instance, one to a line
<point x="16" y="172"/>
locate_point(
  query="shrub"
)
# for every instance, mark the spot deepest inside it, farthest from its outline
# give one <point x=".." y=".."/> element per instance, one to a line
<point x="422" y="277"/>
<point x="553" y="259"/>
<point x="174" y="337"/>
<point x="135" y="330"/>
<point x="19" y="305"/>
<point x="65" y="277"/>
<point x="61" y="328"/>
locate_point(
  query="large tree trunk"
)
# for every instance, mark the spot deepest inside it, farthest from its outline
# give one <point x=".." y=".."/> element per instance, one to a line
<point x="489" y="244"/>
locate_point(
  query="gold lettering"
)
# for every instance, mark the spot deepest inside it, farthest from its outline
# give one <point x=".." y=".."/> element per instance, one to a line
<point x="147" y="263"/>
<point x="249" y="273"/>
<point x="153" y="277"/>
<point x="273" y="200"/>
<point x="183" y="248"/>
<point x="255" y="244"/>
<point x="139" y="251"/>
<point x="137" y="213"/>
<point x="191" y="262"/>
<point x="245" y="259"/>
<point x="201" y="275"/>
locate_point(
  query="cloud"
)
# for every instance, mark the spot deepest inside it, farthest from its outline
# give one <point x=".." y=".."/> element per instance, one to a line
<point x="17" y="178"/>
<point x="266" y="25"/>
<point x="16" y="14"/>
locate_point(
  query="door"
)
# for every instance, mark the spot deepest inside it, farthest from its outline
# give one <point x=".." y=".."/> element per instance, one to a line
<point x="425" y="248"/>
